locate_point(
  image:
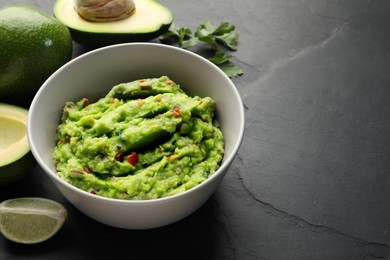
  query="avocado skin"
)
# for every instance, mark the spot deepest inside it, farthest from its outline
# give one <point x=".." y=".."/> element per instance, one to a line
<point x="97" y="40"/>
<point x="17" y="170"/>
<point x="33" y="45"/>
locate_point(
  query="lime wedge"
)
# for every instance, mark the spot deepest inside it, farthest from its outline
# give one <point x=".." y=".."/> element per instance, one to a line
<point x="31" y="220"/>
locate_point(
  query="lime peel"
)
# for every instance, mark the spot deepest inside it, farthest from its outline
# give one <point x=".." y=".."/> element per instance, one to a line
<point x="31" y="220"/>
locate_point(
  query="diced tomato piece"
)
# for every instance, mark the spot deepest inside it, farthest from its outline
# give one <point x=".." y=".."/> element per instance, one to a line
<point x="119" y="157"/>
<point x="87" y="170"/>
<point x="176" y="112"/>
<point x="133" y="158"/>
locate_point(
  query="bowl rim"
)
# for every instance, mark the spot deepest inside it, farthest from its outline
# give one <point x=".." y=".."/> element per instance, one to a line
<point x="53" y="176"/>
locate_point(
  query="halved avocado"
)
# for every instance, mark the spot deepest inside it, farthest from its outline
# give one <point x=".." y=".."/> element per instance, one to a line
<point x="149" y="20"/>
<point x="16" y="159"/>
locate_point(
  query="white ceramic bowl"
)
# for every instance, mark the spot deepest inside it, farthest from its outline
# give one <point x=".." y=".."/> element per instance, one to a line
<point x="94" y="74"/>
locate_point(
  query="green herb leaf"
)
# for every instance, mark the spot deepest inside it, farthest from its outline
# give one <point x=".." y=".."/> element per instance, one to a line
<point x="204" y="33"/>
<point x="223" y="28"/>
<point x="181" y="34"/>
<point x="211" y="35"/>
<point x="184" y="33"/>
<point x="173" y="31"/>
<point x="206" y="29"/>
<point x="230" y="40"/>
<point x="220" y="57"/>
<point x="224" y="34"/>
<point x="185" y="44"/>
<point x="230" y="69"/>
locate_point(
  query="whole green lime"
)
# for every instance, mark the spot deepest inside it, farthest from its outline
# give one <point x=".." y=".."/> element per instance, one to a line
<point x="33" y="45"/>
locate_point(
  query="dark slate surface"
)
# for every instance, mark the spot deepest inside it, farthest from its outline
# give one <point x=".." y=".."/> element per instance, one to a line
<point x="311" y="180"/>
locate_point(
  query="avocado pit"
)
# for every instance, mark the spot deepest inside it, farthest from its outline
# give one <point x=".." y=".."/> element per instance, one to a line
<point x="105" y="10"/>
<point x="147" y="19"/>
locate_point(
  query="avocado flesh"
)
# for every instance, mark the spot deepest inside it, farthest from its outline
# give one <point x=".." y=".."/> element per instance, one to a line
<point x="149" y="20"/>
<point x="16" y="159"/>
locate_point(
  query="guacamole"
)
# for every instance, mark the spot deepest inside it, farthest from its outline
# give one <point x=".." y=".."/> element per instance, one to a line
<point x="145" y="139"/>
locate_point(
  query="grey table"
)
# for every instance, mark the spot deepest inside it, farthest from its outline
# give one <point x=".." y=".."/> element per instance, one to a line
<point x="312" y="177"/>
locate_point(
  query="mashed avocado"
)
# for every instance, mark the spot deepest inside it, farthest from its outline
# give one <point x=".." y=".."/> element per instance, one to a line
<point x="145" y="139"/>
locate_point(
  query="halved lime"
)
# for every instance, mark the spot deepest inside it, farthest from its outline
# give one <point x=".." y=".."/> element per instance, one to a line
<point x="31" y="220"/>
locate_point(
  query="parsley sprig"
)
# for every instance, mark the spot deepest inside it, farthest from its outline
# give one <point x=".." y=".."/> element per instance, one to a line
<point x="216" y="37"/>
